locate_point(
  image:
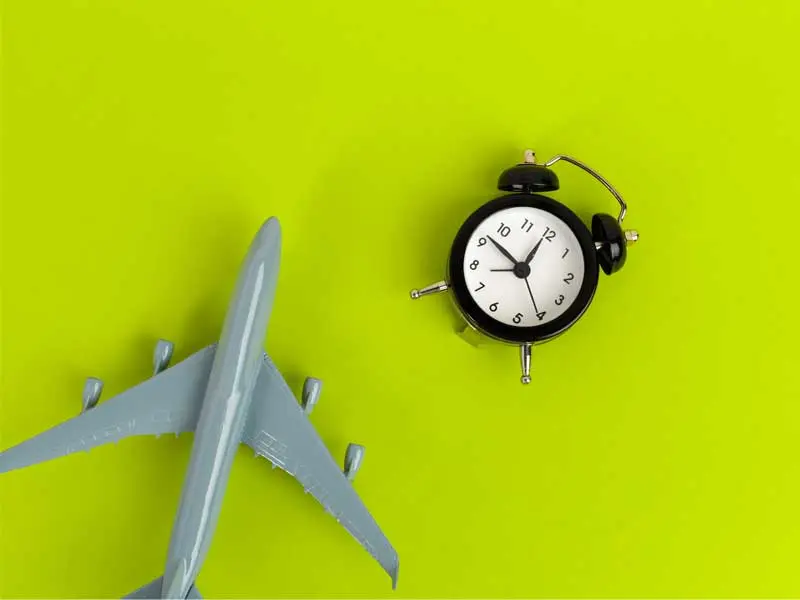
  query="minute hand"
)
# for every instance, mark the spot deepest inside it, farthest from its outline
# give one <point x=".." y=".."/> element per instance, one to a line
<point x="531" y="295"/>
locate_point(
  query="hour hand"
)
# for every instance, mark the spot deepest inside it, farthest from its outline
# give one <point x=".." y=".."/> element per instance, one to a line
<point x="505" y="252"/>
<point x="533" y="252"/>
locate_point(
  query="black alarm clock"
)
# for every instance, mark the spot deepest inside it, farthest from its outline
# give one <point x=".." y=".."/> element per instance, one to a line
<point x="523" y="268"/>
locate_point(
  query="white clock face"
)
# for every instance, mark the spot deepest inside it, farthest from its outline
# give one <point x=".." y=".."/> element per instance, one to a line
<point x="511" y="290"/>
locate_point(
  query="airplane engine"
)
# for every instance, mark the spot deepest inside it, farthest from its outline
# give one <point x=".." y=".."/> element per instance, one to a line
<point x="91" y="393"/>
<point x="312" y="387"/>
<point x="353" y="458"/>
<point x="162" y="356"/>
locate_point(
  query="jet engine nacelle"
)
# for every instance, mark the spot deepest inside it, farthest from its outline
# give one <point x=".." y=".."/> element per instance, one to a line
<point x="311" y="391"/>
<point x="91" y="393"/>
<point x="162" y="356"/>
<point x="353" y="458"/>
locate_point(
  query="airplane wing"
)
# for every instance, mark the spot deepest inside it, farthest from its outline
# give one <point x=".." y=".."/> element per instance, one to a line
<point x="167" y="403"/>
<point x="278" y="429"/>
<point x="153" y="590"/>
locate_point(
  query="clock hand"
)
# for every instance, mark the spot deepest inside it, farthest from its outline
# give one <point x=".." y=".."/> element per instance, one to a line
<point x="533" y="252"/>
<point x="509" y="270"/>
<point x="531" y="294"/>
<point x="505" y="252"/>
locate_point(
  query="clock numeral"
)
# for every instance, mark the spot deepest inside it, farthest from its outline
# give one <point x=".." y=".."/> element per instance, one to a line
<point x="569" y="278"/>
<point x="493" y="307"/>
<point x="481" y="241"/>
<point x="474" y="265"/>
<point x="527" y="226"/>
<point x="566" y="251"/>
<point x="480" y="288"/>
<point x="559" y="300"/>
<point x="504" y="230"/>
<point x="541" y="315"/>
<point x="549" y="234"/>
<point x="517" y="318"/>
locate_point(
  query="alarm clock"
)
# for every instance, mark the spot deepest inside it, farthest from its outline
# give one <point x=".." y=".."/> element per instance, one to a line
<point x="523" y="268"/>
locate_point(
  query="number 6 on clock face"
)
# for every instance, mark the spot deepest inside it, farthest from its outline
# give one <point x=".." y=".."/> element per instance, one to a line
<point x="523" y="268"/>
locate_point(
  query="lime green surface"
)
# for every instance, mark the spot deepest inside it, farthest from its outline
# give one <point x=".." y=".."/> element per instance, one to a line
<point x="656" y="452"/>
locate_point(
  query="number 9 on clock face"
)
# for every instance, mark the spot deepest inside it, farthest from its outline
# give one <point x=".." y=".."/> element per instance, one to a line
<point x="523" y="268"/>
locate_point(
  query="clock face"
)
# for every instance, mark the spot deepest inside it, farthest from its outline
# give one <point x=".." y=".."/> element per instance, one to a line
<point x="524" y="266"/>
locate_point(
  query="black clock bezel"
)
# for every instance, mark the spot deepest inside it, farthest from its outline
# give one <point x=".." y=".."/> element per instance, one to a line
<point x="491" y="326"/>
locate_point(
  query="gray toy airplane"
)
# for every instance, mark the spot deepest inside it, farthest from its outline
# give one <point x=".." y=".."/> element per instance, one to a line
<point x="227" y="393"/>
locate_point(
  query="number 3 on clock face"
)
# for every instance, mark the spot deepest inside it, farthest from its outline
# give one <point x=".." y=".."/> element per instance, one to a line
<point x="523" y="268"/>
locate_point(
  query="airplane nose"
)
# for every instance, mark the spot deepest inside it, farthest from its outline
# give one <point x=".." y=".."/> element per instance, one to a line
<point x="269" y="232"/>
<point x="266" y="245"/>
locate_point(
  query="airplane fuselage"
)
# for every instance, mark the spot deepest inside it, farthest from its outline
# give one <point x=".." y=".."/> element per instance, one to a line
<point x="224" y="411"/>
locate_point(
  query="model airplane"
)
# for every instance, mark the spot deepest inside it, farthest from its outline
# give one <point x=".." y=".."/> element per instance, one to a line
<point x="227" y="394"/>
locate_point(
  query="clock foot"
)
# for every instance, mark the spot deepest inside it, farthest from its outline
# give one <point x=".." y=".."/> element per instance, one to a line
<point x="471" y="335"/>
<point x="525" y="360"/>
<point x="434" y="288"/>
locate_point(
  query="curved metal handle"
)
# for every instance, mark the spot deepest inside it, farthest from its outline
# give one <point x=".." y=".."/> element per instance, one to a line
<point x="623" y="208"/>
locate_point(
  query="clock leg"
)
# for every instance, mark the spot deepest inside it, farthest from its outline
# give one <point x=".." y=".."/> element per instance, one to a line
<point x="471" y="335"/>
<point x="525" y="360"/>
<point x="433" y="288"/>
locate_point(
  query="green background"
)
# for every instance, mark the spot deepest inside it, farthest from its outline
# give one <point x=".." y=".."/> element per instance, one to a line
<point x="656" y="451"/>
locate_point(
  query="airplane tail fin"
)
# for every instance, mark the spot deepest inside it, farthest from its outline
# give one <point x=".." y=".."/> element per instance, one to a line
<point x="152" y="591"/>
